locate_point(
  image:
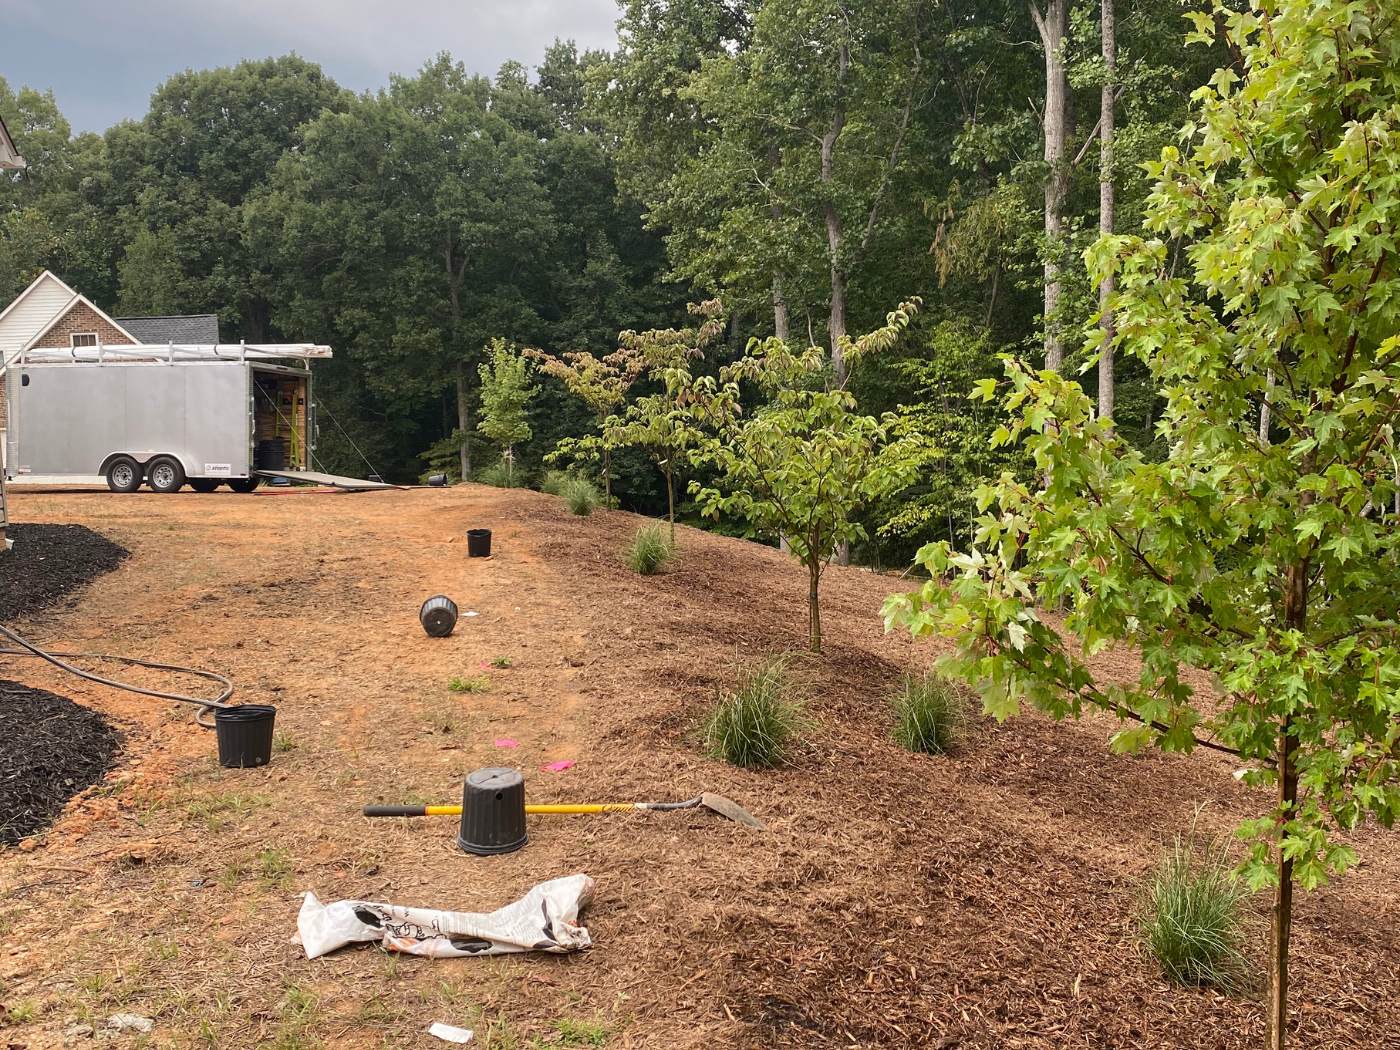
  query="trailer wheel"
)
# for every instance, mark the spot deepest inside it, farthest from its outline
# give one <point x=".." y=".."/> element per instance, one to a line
<point x="204" y="484"/>
<point x="164" y="474"/>
<point x="123" y="474"/>
<point x="245" y="484"/>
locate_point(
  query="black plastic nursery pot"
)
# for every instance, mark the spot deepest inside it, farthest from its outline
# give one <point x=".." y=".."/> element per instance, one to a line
<point x="245" y="735"/>
<point x="438" y="616"/>
<point x="493" y="812"/>
<point x="478" y="543"/>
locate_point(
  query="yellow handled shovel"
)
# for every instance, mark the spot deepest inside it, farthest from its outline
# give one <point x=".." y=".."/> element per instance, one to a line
<point x="715" y="803"/>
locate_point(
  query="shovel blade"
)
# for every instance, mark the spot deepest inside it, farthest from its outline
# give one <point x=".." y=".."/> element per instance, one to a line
<point x="729" y="808"/>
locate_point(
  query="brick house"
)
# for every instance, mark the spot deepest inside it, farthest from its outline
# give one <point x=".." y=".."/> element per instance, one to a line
<point x="50" y="314"/>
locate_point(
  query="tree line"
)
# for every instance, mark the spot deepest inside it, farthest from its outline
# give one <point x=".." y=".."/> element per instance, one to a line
<point x="810" y="163"/>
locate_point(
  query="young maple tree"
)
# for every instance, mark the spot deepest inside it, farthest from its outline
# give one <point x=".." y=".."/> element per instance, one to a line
<point x="659" y="422"/>
<point x="601" y="384"/>
<point x="1268" y="277"/>
<point x="505" y="395"/>
<point x="804" y="462"/>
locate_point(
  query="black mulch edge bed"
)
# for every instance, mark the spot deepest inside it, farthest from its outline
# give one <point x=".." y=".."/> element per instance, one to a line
<point x="48" y="563"/>
<point x="50" y="749"/>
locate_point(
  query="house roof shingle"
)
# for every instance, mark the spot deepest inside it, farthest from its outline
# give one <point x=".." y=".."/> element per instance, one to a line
<point x="202" y="329"/>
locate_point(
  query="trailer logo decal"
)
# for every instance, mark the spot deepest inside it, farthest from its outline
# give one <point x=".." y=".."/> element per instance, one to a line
<point x="218" y="470"/>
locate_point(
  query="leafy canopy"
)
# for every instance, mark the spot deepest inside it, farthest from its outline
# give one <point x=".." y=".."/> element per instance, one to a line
<point x="805" y="461"/>
<point x="1267" y="272"/>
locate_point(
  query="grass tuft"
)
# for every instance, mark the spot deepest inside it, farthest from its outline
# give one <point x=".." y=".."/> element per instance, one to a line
<point x="478" y="683"/>
<point x="754" y="724"/>
<point x="1192" y="916"/>
<point x="928" y="712"/>
<point x="554" y="481"/>
<point x="581" y="495"/>
<point x="497" y="476"/>
<point x="649" y="550"/>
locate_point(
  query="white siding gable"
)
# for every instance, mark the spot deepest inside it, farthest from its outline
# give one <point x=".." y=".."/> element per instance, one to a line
<point x="32" y="312"/>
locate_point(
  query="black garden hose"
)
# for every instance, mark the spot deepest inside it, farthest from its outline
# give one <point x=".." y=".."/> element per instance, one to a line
<point x="58" y="660"/>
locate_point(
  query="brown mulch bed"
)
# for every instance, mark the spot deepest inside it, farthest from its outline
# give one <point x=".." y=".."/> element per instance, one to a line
<point x="979" y="900"/>
<point x="50" y="749"/>
<point x="48" y="563"/>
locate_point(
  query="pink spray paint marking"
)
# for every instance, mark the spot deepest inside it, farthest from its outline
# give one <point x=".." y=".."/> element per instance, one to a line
<point x="558" y="767"/>
<point x="506" y="741"/>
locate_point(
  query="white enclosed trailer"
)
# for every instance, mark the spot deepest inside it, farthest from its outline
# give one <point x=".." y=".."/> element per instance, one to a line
<point x="163" y="415"/>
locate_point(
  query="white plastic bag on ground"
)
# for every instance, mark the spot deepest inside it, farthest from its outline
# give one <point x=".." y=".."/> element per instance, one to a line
<point x="544" y="920"/>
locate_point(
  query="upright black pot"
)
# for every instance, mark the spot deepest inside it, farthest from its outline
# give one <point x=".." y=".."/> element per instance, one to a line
<point x="245" y="735"/>
<point x="478" y="543"/>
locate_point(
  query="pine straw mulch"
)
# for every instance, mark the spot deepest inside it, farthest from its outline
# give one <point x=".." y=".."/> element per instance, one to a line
<point x="985" y="899"/>
<point x="48" y="563"/>
<point x="50" y="749"/>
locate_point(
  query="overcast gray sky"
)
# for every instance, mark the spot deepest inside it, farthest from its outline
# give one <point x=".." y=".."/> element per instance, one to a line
<point x="103" y="58"/>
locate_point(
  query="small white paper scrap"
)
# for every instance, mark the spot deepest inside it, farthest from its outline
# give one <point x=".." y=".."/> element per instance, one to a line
<point x="450" y="1033"/>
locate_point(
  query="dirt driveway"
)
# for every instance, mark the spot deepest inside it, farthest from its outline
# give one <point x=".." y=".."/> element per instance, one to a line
<point x="895" y="900"/>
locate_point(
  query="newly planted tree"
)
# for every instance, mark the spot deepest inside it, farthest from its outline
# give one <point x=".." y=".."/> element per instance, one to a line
<point x="600" y="383"/>
<point x="1268" y="273"/>
<point x="660" y="423"/>
<point x="805" y="462"/>
<point x="506" y="391"/>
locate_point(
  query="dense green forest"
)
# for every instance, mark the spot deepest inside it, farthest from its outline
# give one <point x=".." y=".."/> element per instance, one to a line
<point x="811" y="164"/>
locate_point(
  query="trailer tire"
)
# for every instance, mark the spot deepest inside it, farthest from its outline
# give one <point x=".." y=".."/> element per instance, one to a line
<point x="204" y="484"/>
<point x="245" y="484"/>
<point x="164" y="474"/>
<point x="123" y="474"/>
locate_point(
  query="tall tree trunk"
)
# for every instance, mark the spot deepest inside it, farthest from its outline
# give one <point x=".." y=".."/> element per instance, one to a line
<point x="455" y="269"/>
<point x="607" y="476"/>
<point x="835" y="235"/>
<point x="814" y="609"/>
<point x="1053" y="26"/>
<point x="781" y="319"/>
<point x="1107" y="201"/>
<point x="782" y="326"/>
<point x="464" y="421"/>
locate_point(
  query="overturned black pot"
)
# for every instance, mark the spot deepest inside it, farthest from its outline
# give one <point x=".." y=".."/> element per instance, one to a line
<point x="493" y="812"/>
<point x="438" y="616"/>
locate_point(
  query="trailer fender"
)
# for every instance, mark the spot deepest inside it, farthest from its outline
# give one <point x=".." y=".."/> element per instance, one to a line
<point x="144" y="456"/>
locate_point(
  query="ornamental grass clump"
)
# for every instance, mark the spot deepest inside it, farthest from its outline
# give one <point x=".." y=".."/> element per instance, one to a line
<point x="581" y="495"/>
<point x="650" y="550"/>
<point x="554" y="481"/>
<point x="1192" y="916"/>
<point x="928" y="712"/>
<point x="754" y="724"/>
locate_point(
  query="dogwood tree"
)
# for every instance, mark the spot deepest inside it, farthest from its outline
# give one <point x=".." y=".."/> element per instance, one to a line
<point x="1268" y="557"/>
<point x="805" y="461"/>
<point x="601" y="383"/>
<point x="659" y="423"/>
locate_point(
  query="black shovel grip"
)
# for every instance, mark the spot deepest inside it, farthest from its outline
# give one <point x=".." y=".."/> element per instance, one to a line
<point x="396" y="811"/>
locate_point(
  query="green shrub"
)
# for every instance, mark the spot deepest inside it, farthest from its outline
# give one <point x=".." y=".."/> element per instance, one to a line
<point x="649" y="550"/>
<point x="754" y="724"/>
<point x="928" y="712"/>
<point x="1192" y="916"/>
<point x="581" y="495"/>
<point x="554" y="481"/>
<point x="495" y="474"/>
<point x="474" y="684"/>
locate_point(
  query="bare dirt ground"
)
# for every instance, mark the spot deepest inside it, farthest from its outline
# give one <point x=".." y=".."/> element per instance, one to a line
<point x="895" y="900"/>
